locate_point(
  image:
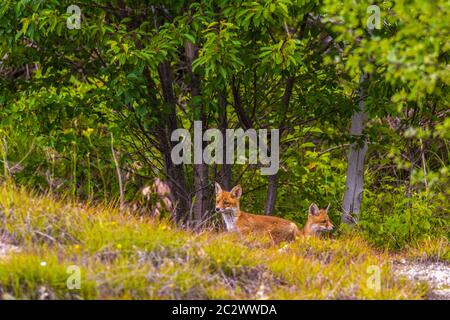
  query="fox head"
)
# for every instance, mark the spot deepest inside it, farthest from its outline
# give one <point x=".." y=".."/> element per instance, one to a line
<point x="318" y="219"/>
<point x="228" y="202"/>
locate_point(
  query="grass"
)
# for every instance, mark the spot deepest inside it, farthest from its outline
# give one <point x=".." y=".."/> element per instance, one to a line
<point x="429" y="250"/>
<point x="124" y="256"/>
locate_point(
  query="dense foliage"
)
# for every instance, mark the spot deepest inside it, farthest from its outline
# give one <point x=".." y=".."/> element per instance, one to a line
<point x="89" y="111"/>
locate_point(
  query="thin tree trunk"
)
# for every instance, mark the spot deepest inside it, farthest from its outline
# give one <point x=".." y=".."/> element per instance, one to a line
<point x="201" y="190"/>
<point x="225" y="172"/>
<point x="272" y="191"/>
<point x="243" y="117"/>
<point x="424" y="165"/>
<point x="354" y="187"/>
<point x="201" y="206"/>
<point x="119" y="176"/>
<point x="174" y="172"/>
<point x="272" y="186"/>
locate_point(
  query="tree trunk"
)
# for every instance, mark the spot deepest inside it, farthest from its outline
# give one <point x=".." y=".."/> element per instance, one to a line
<point x="225" y="173"/>
<point x="243" y="117"/>
<point x="201" y="190"/>
<point x="201" y="204"/>
<point x="272" y="191"/>
<point x="272" y="186"/>
<point x="354" y="186"/>
<point x="175" y="178"/>
<point x="168" y="123"/>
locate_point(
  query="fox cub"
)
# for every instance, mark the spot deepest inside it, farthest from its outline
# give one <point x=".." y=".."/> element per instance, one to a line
<point x="278" y="229"/>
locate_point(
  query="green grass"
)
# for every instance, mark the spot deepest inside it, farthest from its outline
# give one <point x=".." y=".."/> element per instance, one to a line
<point x="131" y="257"/>
<point x="429" y="250"/>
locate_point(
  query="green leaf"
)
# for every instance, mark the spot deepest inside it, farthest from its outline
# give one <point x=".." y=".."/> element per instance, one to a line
<point x="190" y="37"/>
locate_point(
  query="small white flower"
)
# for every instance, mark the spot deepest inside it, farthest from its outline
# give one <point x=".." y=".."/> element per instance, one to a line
<point x="146" y="191"/>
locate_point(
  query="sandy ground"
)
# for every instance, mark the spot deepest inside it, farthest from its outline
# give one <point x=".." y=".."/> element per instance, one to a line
<point x="6" y="249"/>
<point x="437" y="274"/>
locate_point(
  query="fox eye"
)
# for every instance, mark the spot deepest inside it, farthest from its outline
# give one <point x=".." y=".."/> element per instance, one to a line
<point x="323" y="221"/>
<point x="226" y="203"/>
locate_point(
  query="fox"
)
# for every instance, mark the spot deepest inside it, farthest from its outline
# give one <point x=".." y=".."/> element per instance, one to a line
<point x="278" y="229"/>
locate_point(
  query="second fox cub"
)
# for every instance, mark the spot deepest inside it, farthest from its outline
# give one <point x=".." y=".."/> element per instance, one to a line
<point x="278" y="229"/>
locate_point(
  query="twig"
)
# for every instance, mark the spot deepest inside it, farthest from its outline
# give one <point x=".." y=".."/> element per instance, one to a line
<point x="424" y="164"/>
<point x="45" y="235"/>
<point x="119" y="176"/>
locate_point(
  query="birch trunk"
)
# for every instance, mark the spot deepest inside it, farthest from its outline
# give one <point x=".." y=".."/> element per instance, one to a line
<point x="354" y="187"/>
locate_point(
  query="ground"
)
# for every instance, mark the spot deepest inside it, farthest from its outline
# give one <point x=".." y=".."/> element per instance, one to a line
<point x="435" y="274"/>
<point x="124" y="256"/>
<point x="7" y="249"/>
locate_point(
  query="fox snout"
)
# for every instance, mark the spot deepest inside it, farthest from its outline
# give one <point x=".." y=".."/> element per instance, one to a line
<point x="225" y="210"/>
<point x="330" y="225"/>
<point x="326" y="228"/>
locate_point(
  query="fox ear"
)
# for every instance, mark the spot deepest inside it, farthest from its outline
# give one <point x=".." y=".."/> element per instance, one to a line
<point x="236" y="192"/>
<point x="218" y="188"/>
<point x="313" y="209"/>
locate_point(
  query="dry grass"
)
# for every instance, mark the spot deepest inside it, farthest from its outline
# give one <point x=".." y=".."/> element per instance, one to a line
<point x="130" y="257"/>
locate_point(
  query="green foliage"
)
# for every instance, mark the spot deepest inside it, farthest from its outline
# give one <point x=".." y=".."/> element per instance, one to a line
<point x="138" y="71"/>
<point x="392" y="220"/>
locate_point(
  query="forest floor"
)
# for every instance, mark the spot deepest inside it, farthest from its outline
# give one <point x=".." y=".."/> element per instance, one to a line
<point x="123" y="256"/>
<point x="7" y="249"/>
<point x="436" y="274"/>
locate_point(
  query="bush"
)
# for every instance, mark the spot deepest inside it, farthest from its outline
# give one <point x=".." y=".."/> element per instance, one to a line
<point x="391" y="220"/>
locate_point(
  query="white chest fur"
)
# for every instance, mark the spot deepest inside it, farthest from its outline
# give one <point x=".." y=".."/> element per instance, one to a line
<point x="230" y="221"/>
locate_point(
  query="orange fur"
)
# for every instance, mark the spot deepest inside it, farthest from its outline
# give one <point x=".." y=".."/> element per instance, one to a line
<point x="278" y="229"/>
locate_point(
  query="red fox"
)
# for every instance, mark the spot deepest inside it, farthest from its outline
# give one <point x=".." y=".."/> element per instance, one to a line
<point x="278" y="229"/>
